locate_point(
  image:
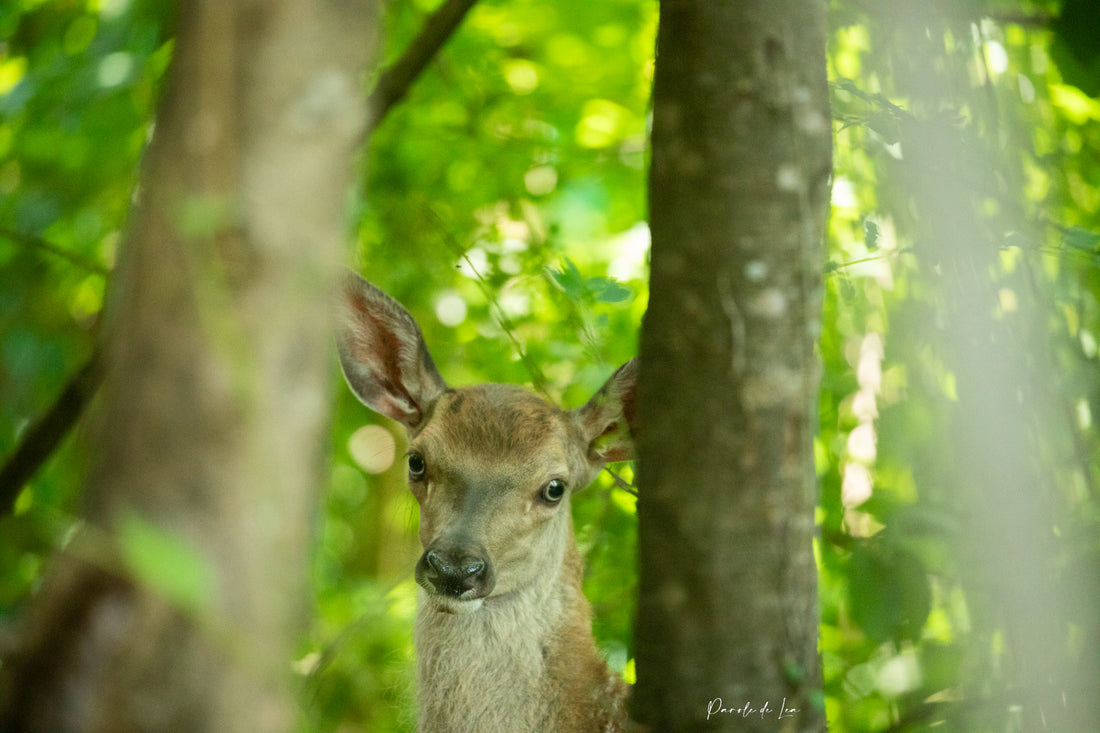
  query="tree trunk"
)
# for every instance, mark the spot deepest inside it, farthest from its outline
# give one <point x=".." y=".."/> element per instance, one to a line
<point x="727" y="620"/>
<point x="179" y="605"/>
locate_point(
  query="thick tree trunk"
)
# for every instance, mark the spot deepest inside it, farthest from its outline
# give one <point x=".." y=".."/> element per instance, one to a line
<point x="738" y="185"/>
<point x="179" y="605"/>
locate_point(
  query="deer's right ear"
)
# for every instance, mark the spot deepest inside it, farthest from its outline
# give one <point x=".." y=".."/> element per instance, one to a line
<point x="607" y="420"/>
<point x="383" y="355"/>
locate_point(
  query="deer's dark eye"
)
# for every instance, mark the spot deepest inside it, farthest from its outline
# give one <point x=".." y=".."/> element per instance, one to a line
<point x="417" y="467"/>
<point x="553" y="491"/>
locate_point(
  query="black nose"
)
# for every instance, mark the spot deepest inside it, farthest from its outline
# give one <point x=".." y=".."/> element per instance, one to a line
<point x="459" y="572"/>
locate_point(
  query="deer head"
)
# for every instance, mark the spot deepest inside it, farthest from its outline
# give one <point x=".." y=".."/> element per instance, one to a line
<point x="492" y="466"/>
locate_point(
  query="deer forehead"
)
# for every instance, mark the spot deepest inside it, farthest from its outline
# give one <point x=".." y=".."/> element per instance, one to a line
<point x="499" y="430"/>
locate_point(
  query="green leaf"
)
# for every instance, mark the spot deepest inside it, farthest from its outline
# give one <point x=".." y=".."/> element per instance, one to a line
<point x="569" y="279"/>
<point x="612" y="292"/>
<point x="889" y="592"/>
<point x="586" y="289"/>
<point x="166" y="563"/>
<point x="1081" y="239"/>
<point x="202" y="216"/>
<point x="870" y="231"/>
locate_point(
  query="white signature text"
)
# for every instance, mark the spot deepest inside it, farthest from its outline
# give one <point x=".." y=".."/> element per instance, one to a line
<point x="749" y="709"/>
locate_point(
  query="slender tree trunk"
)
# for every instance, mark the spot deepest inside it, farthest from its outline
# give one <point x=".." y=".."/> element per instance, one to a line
<point x="178" y="607"/>
<point x="738" y="186"/>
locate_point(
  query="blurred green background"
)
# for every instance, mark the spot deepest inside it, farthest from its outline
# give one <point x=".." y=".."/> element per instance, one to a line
<point x="503" y="202"/>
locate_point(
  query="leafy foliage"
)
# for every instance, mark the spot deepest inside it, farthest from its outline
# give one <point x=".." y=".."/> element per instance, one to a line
<point x="503" y="203"/>
<point x="924" y="621"/>
<point x="77" y="90"/>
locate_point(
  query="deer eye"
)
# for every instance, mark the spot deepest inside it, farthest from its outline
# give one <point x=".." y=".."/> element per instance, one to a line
<point x="417" y="467"/>
<point x="553" y="491"/>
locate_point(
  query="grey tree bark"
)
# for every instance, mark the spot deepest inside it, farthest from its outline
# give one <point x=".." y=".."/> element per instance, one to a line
<point x="727" y="620"/>
<point x="209" y="432"/>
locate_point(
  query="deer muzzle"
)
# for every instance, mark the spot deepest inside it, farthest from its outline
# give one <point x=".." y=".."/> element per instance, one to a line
<point x="456" y="571"/>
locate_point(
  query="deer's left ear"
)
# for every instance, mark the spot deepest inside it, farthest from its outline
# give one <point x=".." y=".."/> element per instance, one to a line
<point x="383" y="355"/>
<point x="607" y="420"/>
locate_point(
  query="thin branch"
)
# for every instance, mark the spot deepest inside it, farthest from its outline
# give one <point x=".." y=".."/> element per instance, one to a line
<point x="831" y="267"/>
<point x="42" y="438"/>
<point x="35" y="242"/>
<point x="1024" y="19"/>
<point x="395" y="82"/>
<point x="879" y="100"/>
<point x="538" y="378"/>
<point x="620" y="482"/>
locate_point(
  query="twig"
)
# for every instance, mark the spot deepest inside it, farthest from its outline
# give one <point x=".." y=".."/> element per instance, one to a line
<point x="878" y="100"/>
<point x="36" y="242"/>
<point x="395" y="82"/>
<point x="620" y="482"/>
<point x="538" y="378"/>
<point x="41" y="439"/>
<point x="1024" y="19"/>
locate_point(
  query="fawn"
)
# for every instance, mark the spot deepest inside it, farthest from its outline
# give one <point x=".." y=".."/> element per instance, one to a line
<point x="503" y="631"/>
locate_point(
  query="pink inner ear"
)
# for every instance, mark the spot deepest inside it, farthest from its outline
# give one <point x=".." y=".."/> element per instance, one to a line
<point x="615" y="454"/>
<point x="401" y="410"/>
<point x="383" y="355"/>
<point x="595" y="416"/>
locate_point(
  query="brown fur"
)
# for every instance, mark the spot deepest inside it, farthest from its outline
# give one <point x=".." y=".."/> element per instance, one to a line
<point x="513" y="651"/>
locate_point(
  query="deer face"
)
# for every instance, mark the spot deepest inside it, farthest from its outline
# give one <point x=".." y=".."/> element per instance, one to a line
<point x="492" y="466"/>
<point x="493" y="470"/>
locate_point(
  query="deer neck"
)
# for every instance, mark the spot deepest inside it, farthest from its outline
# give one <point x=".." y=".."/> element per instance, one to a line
<point x="496" y="669"/>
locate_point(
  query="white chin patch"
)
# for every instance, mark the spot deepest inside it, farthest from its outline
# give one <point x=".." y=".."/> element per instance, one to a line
<point x="446" y="604"/>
